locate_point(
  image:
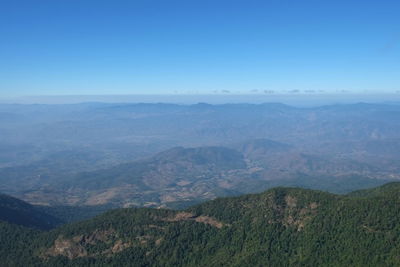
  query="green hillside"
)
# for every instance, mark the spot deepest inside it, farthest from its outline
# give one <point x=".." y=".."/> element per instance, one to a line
<point x="18" y="212"/>
<point x="280" y="227"/>
<point x="388" y="190"/>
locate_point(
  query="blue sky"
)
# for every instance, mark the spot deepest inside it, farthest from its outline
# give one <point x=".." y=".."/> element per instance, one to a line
<point x="72" y="47"/>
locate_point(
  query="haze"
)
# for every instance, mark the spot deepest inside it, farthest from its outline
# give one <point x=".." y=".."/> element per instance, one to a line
<point x="199" y="133"/>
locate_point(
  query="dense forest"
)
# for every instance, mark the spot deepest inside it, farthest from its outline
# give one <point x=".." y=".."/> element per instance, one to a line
<point x="279" y="227"/>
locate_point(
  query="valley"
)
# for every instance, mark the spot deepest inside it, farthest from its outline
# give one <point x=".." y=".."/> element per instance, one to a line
<point x="166" y="155"/>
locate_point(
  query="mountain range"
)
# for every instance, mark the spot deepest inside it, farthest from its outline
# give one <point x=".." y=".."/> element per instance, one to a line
<point x="97" y="156"/>
<point x="180" y="177"/>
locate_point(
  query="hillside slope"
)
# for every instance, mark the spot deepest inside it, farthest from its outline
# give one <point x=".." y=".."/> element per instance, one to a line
<point x="280" y="227"/>
<point x="15" y="211"/>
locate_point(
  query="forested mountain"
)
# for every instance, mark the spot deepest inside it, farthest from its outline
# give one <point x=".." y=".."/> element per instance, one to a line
<point x="280" y="227"/>
<point x="18" y="212"/>
<point x="389" y="189"/>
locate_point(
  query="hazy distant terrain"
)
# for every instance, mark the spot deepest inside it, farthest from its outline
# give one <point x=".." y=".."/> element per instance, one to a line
<point x="169" y="155"/>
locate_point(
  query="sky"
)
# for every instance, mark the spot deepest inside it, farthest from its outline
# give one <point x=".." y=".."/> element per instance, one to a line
<point x="83" y="47"/>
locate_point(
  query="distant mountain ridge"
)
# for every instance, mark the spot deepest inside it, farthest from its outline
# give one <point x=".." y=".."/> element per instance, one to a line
<point x="109" y="150"/>
<point x="179" y="177"/>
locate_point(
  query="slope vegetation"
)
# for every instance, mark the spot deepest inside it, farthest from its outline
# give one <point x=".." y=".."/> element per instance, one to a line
<point x="280" y="227"/>
<point x="18" y="212"/>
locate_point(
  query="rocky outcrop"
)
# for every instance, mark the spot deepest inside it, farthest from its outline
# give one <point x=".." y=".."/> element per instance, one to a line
<point x="187" y="216"/>
<point x="76" y="246"/>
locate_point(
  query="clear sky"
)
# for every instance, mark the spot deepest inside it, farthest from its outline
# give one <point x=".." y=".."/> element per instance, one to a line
<point x="74" y="47"/>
